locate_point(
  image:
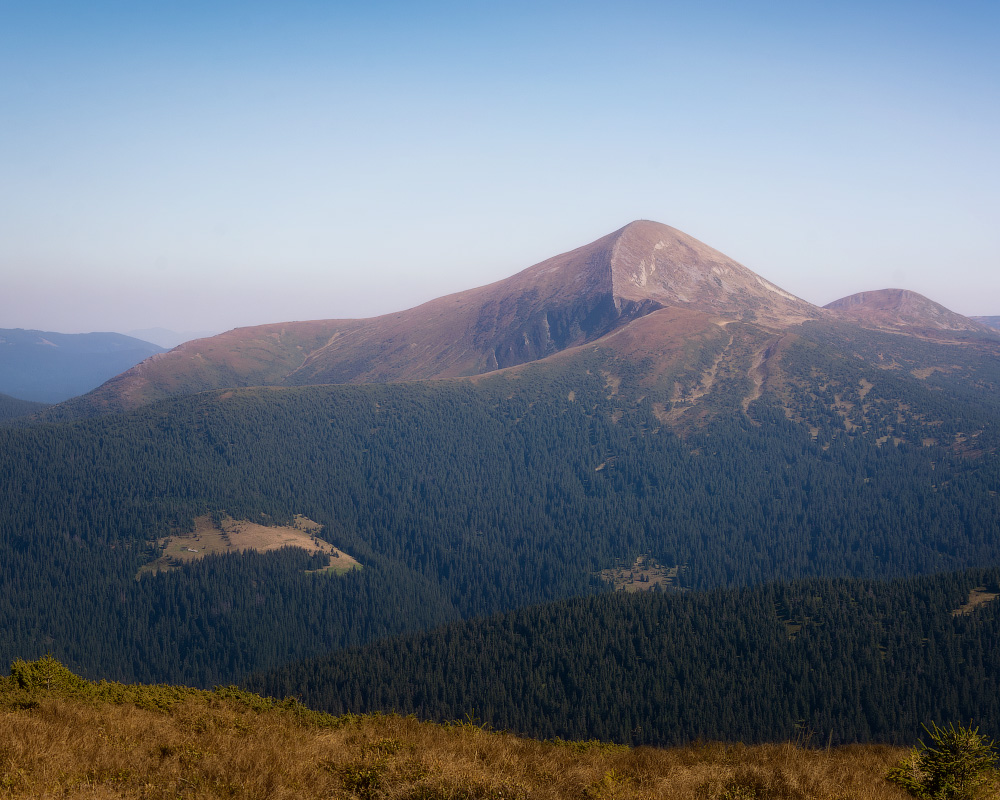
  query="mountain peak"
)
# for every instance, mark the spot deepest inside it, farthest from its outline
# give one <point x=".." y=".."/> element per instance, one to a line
<point x="571" y="299"/>
<point x="882" y="299"/>
<point x="652" y="261"/>
<point x="903" y="311"/>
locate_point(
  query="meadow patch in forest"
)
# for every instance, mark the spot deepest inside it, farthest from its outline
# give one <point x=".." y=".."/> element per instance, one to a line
<point x="644" y="575"/>
<point x="979" y="596"/>
<point x="226" y="535"/>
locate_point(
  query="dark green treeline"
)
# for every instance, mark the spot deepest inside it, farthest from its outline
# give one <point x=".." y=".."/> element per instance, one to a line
<point x="826" y="661"/>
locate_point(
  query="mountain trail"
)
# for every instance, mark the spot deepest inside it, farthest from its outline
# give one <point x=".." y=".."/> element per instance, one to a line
<point x="758" y="371"/>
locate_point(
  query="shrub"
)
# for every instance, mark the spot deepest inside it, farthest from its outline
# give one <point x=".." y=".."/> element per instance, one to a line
<point x="45" y="674"/>
<point x="958" y="764"/>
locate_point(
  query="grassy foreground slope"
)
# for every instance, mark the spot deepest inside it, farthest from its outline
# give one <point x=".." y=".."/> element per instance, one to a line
<point x="63" y="736"/>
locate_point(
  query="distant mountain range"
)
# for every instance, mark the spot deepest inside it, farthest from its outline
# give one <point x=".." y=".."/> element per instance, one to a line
<point x="48" y="367"/>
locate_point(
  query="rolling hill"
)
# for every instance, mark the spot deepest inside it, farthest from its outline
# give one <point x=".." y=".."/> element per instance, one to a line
<point x="839" y="660"/>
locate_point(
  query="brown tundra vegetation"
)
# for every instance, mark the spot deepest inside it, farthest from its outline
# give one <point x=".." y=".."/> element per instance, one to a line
<point x="62" y="736"/>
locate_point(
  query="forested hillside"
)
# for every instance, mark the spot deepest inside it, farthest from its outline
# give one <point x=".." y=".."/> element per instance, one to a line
<point x="12" y="408"/>
<point x="463" y="499"/>
<point x="819" y="660"/>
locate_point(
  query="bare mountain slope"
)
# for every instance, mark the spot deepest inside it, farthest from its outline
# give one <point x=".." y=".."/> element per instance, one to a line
<point x="565" y="301"/>
<point x="655" y="262"/>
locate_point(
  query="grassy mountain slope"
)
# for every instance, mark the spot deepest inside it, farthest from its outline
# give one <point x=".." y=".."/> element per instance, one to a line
<point x="60" y="736"/>
<point x="645" y="286"/>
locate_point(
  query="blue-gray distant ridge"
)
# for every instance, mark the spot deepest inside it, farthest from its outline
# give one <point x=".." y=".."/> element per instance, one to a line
<point x="48" y="367"/>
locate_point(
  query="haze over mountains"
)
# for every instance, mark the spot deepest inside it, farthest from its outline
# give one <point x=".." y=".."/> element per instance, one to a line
<point x="48" y="367"/>
<point x="646" y="287"/>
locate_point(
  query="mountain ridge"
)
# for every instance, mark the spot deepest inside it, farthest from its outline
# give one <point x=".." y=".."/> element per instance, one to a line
<point x="580" y="297"/>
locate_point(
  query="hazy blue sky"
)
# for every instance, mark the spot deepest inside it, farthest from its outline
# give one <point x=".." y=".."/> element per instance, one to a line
<point x="203" y="165"/>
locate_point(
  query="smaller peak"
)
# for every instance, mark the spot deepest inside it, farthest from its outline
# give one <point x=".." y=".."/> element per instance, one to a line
<point x="879" y="299"/>
<point x="989" y="322"/>
<point x="903" y="311"/>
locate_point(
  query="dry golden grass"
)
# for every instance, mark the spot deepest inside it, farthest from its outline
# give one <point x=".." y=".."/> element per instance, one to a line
<point x="233" y="535"/>
<point x="107" y="741"/>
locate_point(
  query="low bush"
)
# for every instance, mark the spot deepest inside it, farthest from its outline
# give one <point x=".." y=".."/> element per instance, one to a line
<point x="958" y="763"/>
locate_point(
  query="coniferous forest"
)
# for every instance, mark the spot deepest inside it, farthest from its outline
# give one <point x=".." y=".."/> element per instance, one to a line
<point x="822" y="661"/>
<point x="12" y="408"/>
<point x="469" y="499"/>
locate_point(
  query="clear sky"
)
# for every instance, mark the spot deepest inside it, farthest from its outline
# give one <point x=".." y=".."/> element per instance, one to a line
<point x="205" y="165"/>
